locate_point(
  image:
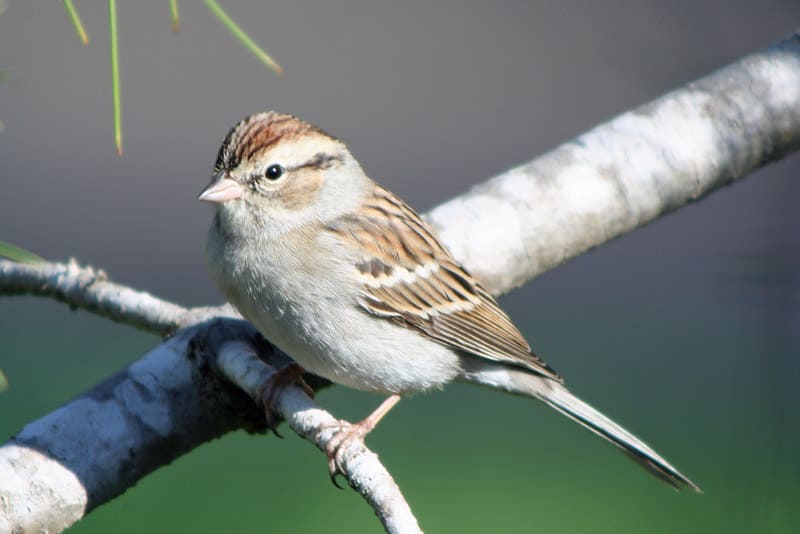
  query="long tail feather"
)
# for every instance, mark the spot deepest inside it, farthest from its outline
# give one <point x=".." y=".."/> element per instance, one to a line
<point x="568" y="404"/>
<point x="523" y="382"/>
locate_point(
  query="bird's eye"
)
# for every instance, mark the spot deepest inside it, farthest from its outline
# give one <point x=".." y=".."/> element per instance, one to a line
<point x="274" y="171"/>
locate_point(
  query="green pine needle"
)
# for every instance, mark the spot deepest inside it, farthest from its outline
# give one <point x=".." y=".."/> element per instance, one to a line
<point x="245" y="39"/>
<point x="112" y="26"/>
<point x="15" y="253"/>
<point x="76" y="21"/>
<point x="173" y="9"/>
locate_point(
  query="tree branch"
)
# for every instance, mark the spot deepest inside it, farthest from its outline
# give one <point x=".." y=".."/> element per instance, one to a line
<point x="86" y="288"/>
<point x="611" y="180"/>
<point x="629" y="171"/>
<point x="96" y="446"/>
<point x="90" y="289"/>
<point x="363" y="471"/>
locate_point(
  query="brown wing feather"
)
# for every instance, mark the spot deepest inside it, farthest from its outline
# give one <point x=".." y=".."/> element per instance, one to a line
<point x="411" y="278"/>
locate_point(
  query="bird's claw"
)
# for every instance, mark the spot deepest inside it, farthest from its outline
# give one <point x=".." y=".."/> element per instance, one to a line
<point x="288" y="374"/>
<point x="345" y="435"/>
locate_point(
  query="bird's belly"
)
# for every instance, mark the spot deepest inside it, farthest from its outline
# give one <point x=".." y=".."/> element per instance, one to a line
<point x="348" y="347"/>
<point x="312" y="316"/>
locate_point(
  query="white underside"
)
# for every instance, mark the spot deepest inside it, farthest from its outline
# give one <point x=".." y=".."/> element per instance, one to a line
<point x="310" y="312"/>
<point x="376" y="356"/>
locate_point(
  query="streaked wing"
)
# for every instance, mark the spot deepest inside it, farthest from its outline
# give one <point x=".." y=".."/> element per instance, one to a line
<point x="410" y="278"/>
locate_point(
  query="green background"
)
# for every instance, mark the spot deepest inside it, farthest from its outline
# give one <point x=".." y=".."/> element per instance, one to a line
<point x="686" y="331"/>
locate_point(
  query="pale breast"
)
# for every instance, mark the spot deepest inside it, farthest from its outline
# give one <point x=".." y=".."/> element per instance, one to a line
<point x="304" y="301"/>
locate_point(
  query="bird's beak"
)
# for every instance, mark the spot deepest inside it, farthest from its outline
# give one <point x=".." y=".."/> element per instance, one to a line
<point x="221" y="190"/>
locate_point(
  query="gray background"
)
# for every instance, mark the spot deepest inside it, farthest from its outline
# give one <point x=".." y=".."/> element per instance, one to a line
<point x="686" y="331"/>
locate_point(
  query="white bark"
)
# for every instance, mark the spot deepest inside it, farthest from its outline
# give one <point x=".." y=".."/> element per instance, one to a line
<point x="171" y="400"/>
<point x="95" y="447"/>
<point x="629" y="171"/>
<point x="363" y="470"/>
<point x="90" y="289"/>
<point x="609" y="181"/>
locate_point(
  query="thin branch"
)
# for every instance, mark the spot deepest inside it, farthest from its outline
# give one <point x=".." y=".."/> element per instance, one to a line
<point x="90" y="289"/>
<point x="362" y="469"/>
<point x="607" y="182"/>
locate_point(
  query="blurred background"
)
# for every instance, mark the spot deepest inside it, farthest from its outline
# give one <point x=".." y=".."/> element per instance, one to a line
<point x="687" y="331"/>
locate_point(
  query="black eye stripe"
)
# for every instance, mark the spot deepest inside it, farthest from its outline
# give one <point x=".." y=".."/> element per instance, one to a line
<point x="276" y="170"/>
<point x="319" y="161"/>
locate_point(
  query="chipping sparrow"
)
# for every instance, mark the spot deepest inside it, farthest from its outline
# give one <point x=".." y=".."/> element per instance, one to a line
<point x="348" y="280"/>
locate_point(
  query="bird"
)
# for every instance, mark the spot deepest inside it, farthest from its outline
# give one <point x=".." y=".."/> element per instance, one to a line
<point x="348" y="280"/>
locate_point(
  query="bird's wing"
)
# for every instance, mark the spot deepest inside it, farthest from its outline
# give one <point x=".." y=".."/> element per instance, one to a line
<point x="410" y="278"/>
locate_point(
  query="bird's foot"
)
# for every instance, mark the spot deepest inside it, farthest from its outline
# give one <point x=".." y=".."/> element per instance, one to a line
<point x="346" y="435"/>
<point x="290" y="373"/>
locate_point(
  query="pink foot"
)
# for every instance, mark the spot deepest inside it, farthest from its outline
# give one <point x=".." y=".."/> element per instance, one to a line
<point x="346" y="435"/>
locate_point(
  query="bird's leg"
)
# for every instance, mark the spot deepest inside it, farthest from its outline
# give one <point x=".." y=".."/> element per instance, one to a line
<point x="354" y="432"/>
<point x="290" y="373"/>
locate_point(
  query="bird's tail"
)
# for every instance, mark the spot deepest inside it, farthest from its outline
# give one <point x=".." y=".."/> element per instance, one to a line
<point x="560" y="398"/>
<point x="557" y="396"/>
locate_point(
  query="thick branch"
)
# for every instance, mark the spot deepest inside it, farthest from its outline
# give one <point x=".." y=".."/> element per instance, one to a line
<point x="607" y="182"/>
<point x="96" y="446"/>
<point x="91" y="450"/>
<point x="629" y="171"/>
